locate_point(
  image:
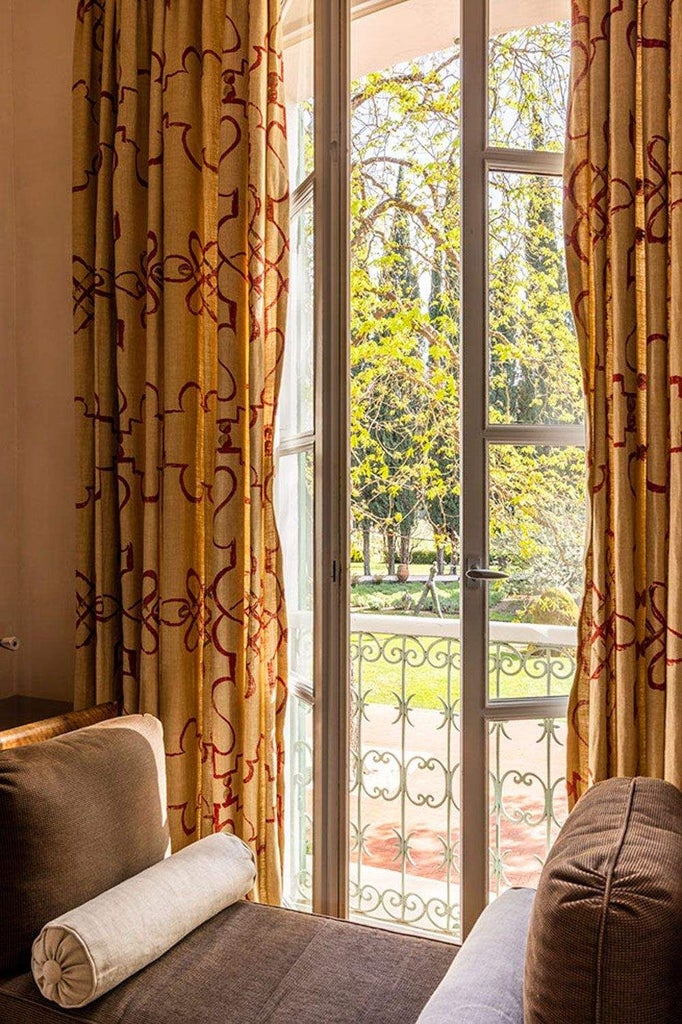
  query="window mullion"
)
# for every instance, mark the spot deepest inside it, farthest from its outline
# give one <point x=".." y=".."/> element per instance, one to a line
<point x="559" y="434"/>
<point x="296" y="444"/>
<point x="474" y="734"/>
<point x="524" y="161"/>
<point x="525" y="709"/>
<point x="332" y="465"/>
<point x="302" y="195"/>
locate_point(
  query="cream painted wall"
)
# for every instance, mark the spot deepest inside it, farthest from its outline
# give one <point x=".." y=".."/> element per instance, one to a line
<point x="38" y="510"/>
<point x="8" y="412"/>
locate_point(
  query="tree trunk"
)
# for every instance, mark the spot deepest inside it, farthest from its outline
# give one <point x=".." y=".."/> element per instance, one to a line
<point x="390" y="553"/>
<point x="454" y="557"/>
<point x="366" y="552"/>
<point x="440" y="559"/>
<point x="405" y="548"/>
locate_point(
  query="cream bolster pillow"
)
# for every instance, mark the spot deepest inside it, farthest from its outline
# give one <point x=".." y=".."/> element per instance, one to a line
<point x="88" y="951"/>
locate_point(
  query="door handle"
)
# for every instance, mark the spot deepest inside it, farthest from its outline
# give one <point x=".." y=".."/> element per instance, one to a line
<point x="486" y="574"/>
<point x="475" y="575"/>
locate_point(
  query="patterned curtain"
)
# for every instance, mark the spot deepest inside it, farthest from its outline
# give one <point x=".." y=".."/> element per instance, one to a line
<point x="623" y="216"/>
<point x="180" y="278"/>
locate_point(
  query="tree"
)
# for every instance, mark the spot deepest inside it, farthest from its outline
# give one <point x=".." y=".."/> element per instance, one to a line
<point x="442" y="497"/>
<point x="405" y="282"/>
<point x="401" y="367"/>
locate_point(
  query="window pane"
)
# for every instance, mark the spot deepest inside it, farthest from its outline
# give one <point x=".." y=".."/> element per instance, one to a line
<point x="404" y="767"/>
<point x="294" y="507"/>
<point x="527" y="798"/>
<point x="405" y="295"/>
<point x="295" y="522"/>
<point x="298" y="860"/>
<point x="299" y="82"/>
<point x="537" y="529"/>
<point x="297" y="393"/>
<point x="534" y="367"/>
<point x="529" y="52"/>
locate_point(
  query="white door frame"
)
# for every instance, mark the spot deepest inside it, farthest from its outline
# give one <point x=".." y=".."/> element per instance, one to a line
<point x="332" y="456"/>
<point x="332" y="460"/>
<point x="473" y="600"/>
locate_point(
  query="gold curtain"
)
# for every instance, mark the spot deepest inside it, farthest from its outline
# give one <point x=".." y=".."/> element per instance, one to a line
<point x="180" y="280"/>
<point x="623" y="218"/>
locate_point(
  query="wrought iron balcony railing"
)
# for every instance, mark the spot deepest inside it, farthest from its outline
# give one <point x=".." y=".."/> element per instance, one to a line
<point x="404" y="771"/>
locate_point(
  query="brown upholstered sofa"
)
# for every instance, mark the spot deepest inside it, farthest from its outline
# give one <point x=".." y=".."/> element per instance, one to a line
<point x="603" y="934"/>
<point x="248" y="965"/>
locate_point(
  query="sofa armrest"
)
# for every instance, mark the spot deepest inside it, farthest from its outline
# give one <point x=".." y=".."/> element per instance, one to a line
<point x="484" y="985"/>
<point x="36" y="732"/>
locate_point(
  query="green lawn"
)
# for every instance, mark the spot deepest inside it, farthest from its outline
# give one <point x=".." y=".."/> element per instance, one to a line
<point x="382" y="598"/>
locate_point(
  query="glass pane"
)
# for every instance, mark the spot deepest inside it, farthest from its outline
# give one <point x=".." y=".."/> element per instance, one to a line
<point x="537" y="529"/>
<point x="294" y="508"/>
<point x="299" y="84"/>
<point x="296" y="403"/>
<point x="295" y="520"/>
<point x="534" y="366"/>
<point x="294" y="487"/>
<point x="405" y="753"/>
<point x="527" y="793"/>
<point x="405" y="238"/>
<point x="298" y="860"/>
<point x="529" y="56"/>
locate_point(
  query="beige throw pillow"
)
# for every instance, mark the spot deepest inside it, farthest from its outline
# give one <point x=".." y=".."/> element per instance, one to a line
<point x="79" y="813"/>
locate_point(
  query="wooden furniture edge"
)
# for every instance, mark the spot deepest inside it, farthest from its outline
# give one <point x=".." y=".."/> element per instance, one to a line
<point x="35" y="732"/>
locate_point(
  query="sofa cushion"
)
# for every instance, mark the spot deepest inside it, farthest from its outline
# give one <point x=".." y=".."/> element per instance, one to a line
<point x="605" y="940"/>
<point x="78" y="814"/>
<point x="253" y="964"/>
<point x="485" y="983"/>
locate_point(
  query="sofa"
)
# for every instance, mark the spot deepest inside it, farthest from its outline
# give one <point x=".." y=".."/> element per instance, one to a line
<point x="82" y="808"/>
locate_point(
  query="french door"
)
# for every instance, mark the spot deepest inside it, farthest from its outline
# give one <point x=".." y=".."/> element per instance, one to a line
<point x="431" y="405"/>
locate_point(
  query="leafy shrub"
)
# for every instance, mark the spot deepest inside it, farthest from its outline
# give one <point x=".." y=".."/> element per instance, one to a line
<point x="553" y="607"/>
<point x="427" y="556"/>
<point x="371" y="601"/>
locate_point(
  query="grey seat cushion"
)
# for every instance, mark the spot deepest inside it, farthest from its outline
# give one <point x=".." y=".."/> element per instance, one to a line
<point x="259" y="965"/>
<point x="605" y="939"/>
<point x="484" y="985"/>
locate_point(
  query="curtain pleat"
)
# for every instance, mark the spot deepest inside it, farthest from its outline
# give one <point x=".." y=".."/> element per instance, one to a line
<point x="180" y="284"/>
<point x="623" y="185"/>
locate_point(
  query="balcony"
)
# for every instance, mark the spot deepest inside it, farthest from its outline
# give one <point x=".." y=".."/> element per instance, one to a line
<point x="405" y="758"/>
